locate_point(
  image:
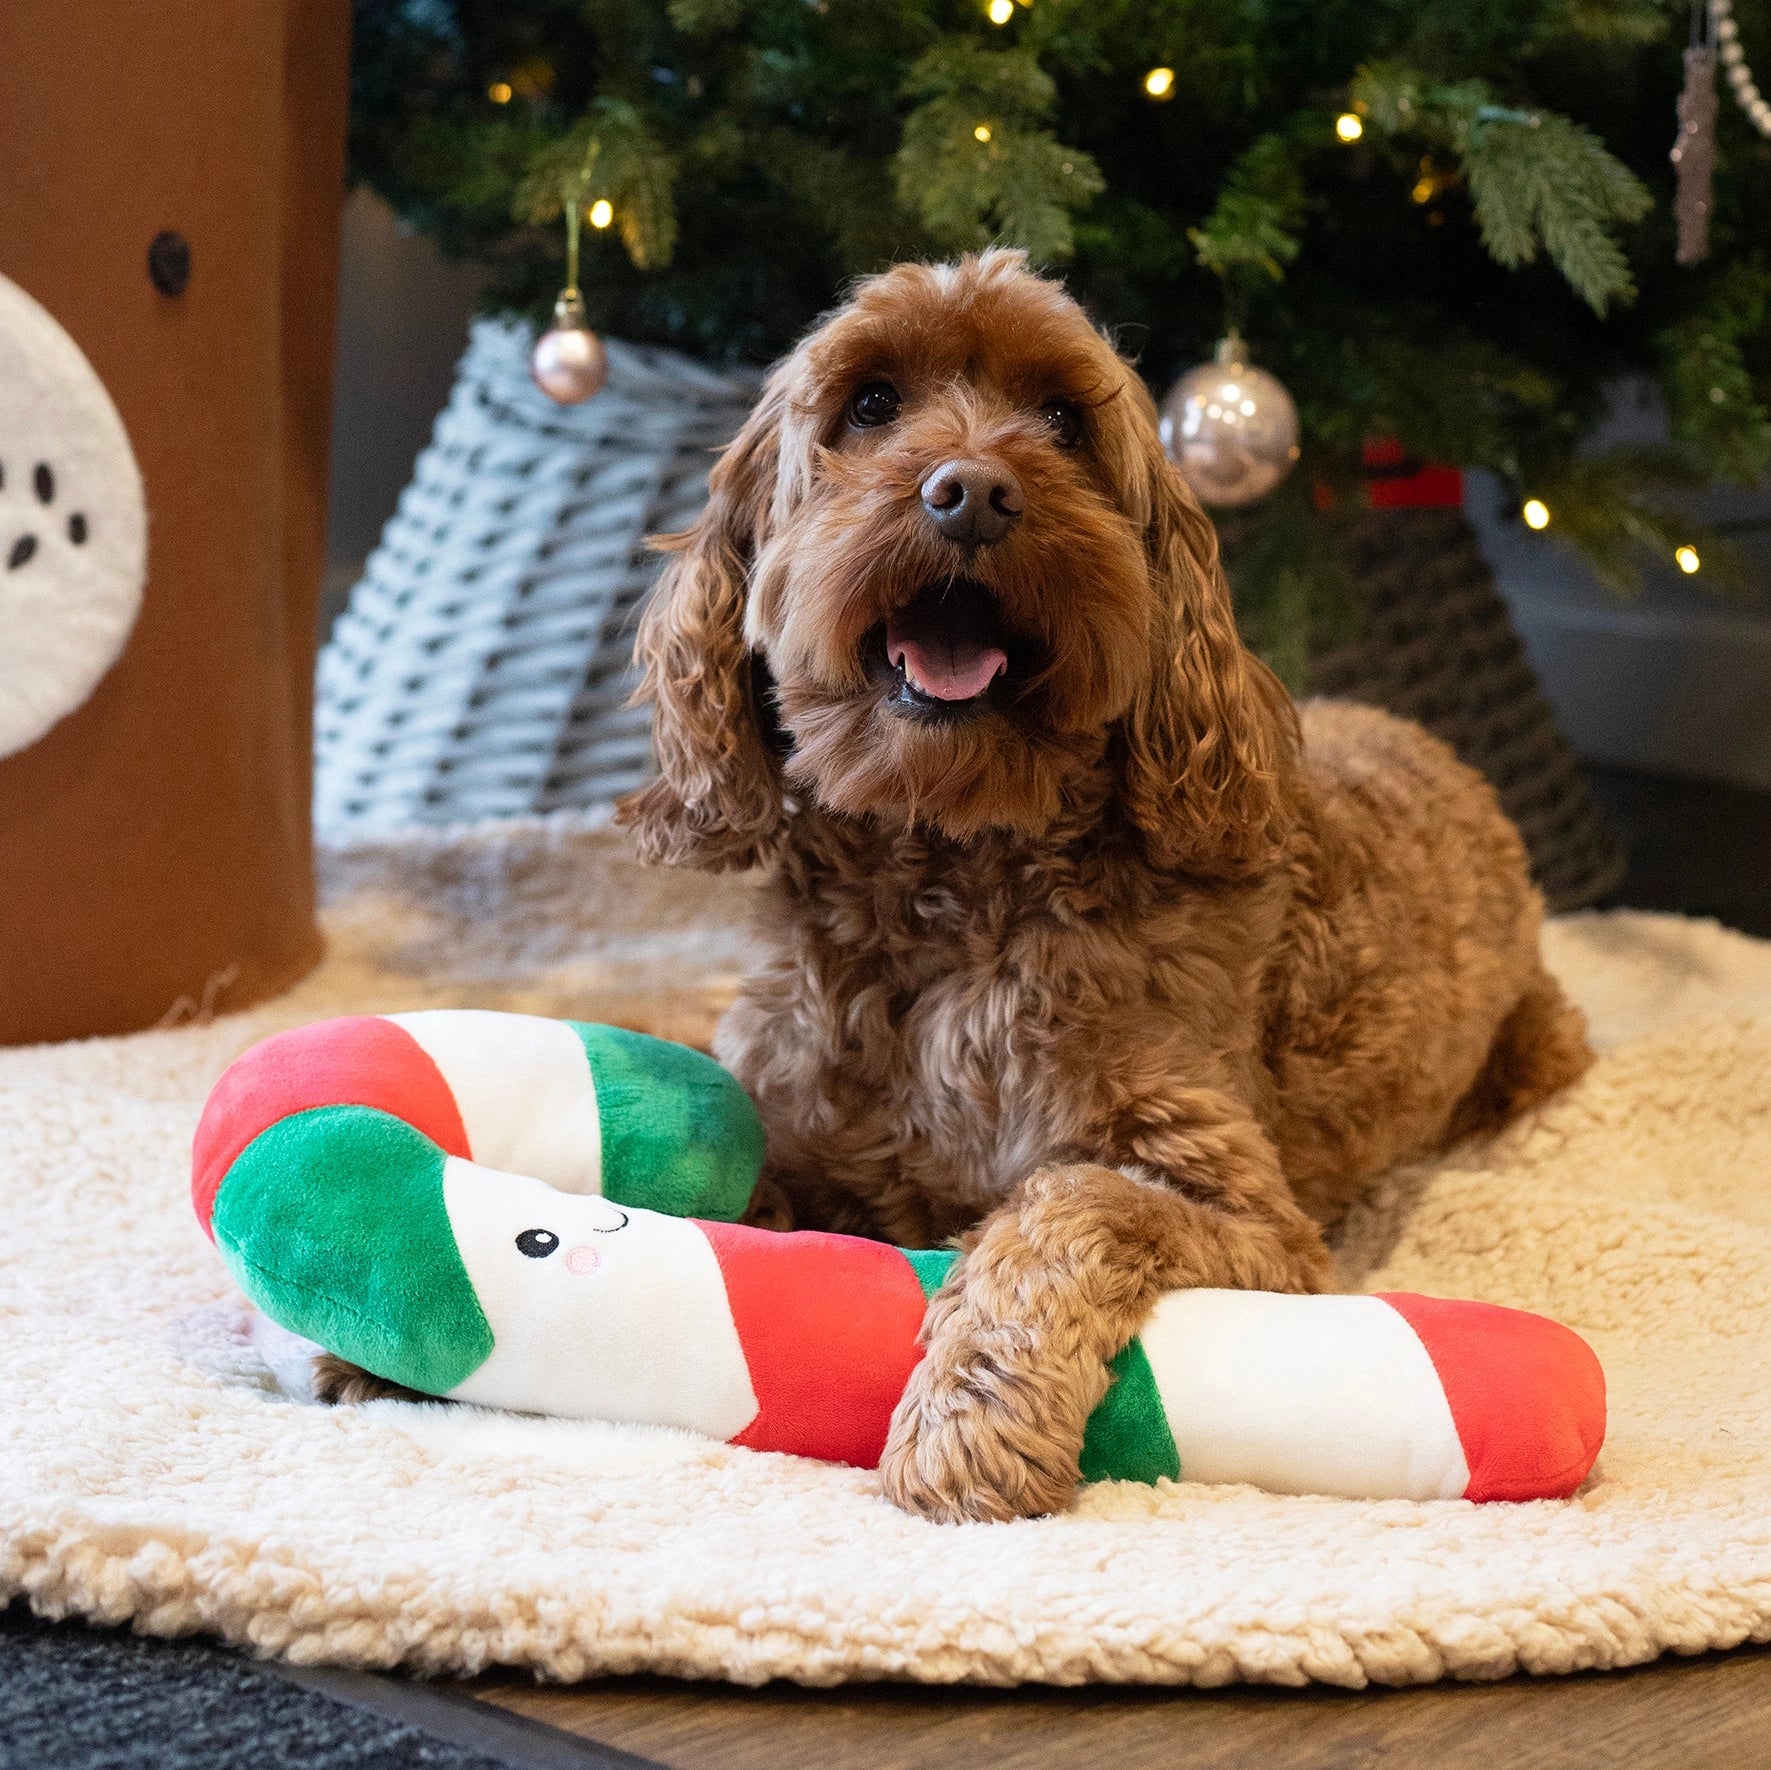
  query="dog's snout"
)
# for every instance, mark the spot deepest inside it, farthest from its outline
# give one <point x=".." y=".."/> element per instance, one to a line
<point x="972" y="502"/>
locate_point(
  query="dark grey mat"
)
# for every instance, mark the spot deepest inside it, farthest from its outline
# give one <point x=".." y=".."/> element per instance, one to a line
<point x="74" y="1698"/>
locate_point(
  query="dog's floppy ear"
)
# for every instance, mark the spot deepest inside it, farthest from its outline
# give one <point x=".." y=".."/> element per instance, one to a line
<point x="1208" y="751"/>
<point x="718" y="800"/>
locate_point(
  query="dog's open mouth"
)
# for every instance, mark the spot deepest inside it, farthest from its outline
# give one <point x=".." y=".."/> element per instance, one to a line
<point x="942" y="654"/>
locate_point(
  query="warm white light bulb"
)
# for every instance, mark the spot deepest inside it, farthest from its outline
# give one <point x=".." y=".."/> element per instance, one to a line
<point x="981" y="133"/>
<point x="1348" y="127"/>
<point x="1688" y="560"/>
<point x="602" y="212"/>
<point x="1536" y="513"/>
<point x="1160" y="82"/>
<point x="999" y="12"/>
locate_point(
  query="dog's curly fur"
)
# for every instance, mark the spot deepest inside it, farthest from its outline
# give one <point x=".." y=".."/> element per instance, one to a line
<point x="1135" y="979"/>
<point x="1130" y="976"/>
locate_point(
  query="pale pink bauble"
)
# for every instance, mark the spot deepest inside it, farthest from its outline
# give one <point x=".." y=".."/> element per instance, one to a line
<point x="569" y="364"/>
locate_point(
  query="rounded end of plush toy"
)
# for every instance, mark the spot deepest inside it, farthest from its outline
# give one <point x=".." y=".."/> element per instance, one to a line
<point x="356" y="1059"/>
<point x="1527" y="1395"/>
<point x="334" y="1222"/>
<point x="317" y="1171"/>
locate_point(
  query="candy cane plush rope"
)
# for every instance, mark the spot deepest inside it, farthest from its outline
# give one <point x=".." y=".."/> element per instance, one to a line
<point x="362" y="1198"/>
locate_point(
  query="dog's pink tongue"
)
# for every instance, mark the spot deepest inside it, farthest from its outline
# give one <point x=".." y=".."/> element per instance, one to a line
<point x="948" y="666"/>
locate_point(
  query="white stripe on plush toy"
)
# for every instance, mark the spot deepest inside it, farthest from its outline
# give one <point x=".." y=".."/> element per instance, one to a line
<point x="523" y="1087"/>
<point x="610" y="1314"/>
<point x="1329" y="1395"/>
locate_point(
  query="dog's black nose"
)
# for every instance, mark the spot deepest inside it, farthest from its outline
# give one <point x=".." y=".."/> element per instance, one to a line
<point x="972" y="502"/>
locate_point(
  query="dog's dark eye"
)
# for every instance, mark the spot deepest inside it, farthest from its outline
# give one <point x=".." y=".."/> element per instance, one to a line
<point x="875" y="404"/>
<point x="537" y="1243"/>
<point x="1064" y="421"/>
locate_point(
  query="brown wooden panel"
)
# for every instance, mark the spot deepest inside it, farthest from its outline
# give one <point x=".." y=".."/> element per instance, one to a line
<point x="154" y="845"/>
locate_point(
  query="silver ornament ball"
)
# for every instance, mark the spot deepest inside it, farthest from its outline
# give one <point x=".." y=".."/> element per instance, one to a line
<point x="569" y="363"/>
<point x="1230" y="428"/>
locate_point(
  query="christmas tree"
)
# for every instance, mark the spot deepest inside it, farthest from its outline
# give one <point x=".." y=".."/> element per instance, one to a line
<point x="1446" y="223"/>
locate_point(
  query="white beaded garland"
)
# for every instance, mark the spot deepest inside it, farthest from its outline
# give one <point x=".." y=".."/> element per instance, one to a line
<point x="569" y="363"/>
<point x="1740" y="76"/>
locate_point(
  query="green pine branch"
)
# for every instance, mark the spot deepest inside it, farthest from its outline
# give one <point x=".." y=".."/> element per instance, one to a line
<point x="1611" y="509"/>
<point x="1443" y="393"/>
<point x="849" y="201"/>
<point x="1254" y="228"/>
<point x="1538" y="181"/>
<point x="609" y="155"/>
<point x="1713" y="404"/>
<point x="976" y="165"/>
<point x="1627" y="24"/>
<point x="701" y="18"/>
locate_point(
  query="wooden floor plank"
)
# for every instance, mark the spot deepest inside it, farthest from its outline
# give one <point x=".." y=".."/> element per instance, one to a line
<point x="1712" y="1713"/>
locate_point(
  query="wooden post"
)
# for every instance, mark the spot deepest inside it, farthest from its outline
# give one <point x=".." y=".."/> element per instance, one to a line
<point x="155" y="858"/>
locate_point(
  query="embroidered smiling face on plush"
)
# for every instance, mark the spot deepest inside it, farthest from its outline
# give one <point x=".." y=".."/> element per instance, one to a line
<point x="596" y="1311"/>
<point x="73" y="526"/>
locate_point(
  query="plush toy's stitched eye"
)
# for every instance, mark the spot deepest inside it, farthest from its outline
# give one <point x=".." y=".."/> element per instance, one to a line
<point x="537" y="1243"/>
<point x="611" y="1228"/>
<point x="875" y="404"/>
<point x="1064" y="421"/>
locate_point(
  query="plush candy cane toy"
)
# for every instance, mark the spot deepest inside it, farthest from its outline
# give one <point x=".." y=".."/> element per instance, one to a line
<point x="459" y="1202"/>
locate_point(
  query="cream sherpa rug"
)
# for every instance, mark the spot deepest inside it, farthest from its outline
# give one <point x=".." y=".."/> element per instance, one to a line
<point x="152" y="1469"/>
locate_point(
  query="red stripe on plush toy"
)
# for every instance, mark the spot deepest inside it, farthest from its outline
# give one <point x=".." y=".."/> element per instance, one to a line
<point x="1527" y="1395"/>
<point x="360" y="1060"/>
<point x="828" y="1324"/>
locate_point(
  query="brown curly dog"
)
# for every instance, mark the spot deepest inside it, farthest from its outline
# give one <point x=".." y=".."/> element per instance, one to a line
<point x="1079" y="942"/>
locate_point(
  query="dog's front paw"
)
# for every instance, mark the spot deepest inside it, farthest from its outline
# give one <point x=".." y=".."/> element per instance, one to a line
<point x="985" y="1431"/>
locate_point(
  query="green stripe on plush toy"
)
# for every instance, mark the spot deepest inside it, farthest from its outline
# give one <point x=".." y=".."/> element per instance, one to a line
<point x="1128" y="1437"/>
<point x="359" y="1254"/>
<point x="678" y="1133"/>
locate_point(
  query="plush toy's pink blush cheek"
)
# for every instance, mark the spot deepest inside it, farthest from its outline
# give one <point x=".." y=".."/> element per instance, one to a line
<point x="583" y="1260"/>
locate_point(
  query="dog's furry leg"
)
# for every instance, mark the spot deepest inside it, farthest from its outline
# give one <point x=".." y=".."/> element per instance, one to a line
<point x="1538" y="1050"/>
<point x="1050" y="1288"/>
<point x="770" y="1205"/>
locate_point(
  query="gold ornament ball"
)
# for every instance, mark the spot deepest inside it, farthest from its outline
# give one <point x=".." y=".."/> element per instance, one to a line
<point x="1230" y="428"/>
<point x="569" y="363"/>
